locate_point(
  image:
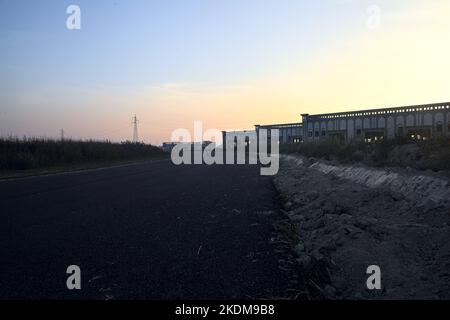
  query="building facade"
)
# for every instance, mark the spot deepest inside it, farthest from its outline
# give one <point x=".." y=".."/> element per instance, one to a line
<point x="289" y="132"/>
<point x="233" y="139"/>
<point x="417" y="122"/>
<point x="168" y="146"/>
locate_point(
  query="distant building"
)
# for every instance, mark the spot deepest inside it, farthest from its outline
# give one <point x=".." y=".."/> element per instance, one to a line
<point x="236" y="138"/>
<point x="168" y="146"/>
<point x="417" y="122"/>
<point x="289" y="132"/>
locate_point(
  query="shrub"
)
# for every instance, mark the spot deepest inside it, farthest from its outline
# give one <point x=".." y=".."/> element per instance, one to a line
<point x="431" y="154"/>
<point x="22" y="154"/>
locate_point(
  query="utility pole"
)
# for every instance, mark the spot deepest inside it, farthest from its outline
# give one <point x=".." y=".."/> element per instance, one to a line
<point x="62" y="134"/>
<point x="135" y="129"/>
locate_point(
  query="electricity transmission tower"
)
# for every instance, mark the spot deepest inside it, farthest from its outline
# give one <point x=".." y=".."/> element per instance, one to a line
<point x="135" y="129"/>
<point x="62" y="134"/>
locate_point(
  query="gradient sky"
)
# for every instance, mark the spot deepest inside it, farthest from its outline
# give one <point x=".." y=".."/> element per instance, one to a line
<point x="229" y="63"/>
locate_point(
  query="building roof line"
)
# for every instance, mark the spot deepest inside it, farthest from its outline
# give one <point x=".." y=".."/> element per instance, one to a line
<point x="279" y="124"/>
<point x="381" y="109"/>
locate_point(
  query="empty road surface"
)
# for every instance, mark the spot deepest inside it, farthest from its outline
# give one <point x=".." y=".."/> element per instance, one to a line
<point x="144" y="231"/>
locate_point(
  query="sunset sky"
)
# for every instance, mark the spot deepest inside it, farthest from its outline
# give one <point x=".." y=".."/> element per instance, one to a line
<point x="228" y="63"/>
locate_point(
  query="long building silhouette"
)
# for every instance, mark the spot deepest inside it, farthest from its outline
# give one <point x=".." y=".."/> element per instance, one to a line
<point x="418" y="122"/>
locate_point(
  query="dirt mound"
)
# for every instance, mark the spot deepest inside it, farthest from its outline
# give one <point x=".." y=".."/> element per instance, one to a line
<point x="344" y="227"/>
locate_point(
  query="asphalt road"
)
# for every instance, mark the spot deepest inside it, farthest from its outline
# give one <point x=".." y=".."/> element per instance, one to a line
<point x="144" y="231"/>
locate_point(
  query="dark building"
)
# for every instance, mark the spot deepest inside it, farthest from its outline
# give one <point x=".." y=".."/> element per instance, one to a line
<point x="417" y="122"/>
<point x="289" y="132"/>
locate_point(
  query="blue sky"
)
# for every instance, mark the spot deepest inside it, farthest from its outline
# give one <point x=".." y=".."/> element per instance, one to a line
<point x="150" y="42"/>
<point x="129" y="52"/>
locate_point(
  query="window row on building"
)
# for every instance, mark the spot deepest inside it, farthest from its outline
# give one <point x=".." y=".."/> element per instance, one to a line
<point x="416" y="122"/>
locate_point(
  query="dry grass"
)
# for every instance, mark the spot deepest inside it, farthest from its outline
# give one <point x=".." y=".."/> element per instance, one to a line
<point x="33" y="155"/>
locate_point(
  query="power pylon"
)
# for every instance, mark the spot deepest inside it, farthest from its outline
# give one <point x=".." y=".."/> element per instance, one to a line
<point x="135" y="129"/>
<point x="62" y="134"/>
